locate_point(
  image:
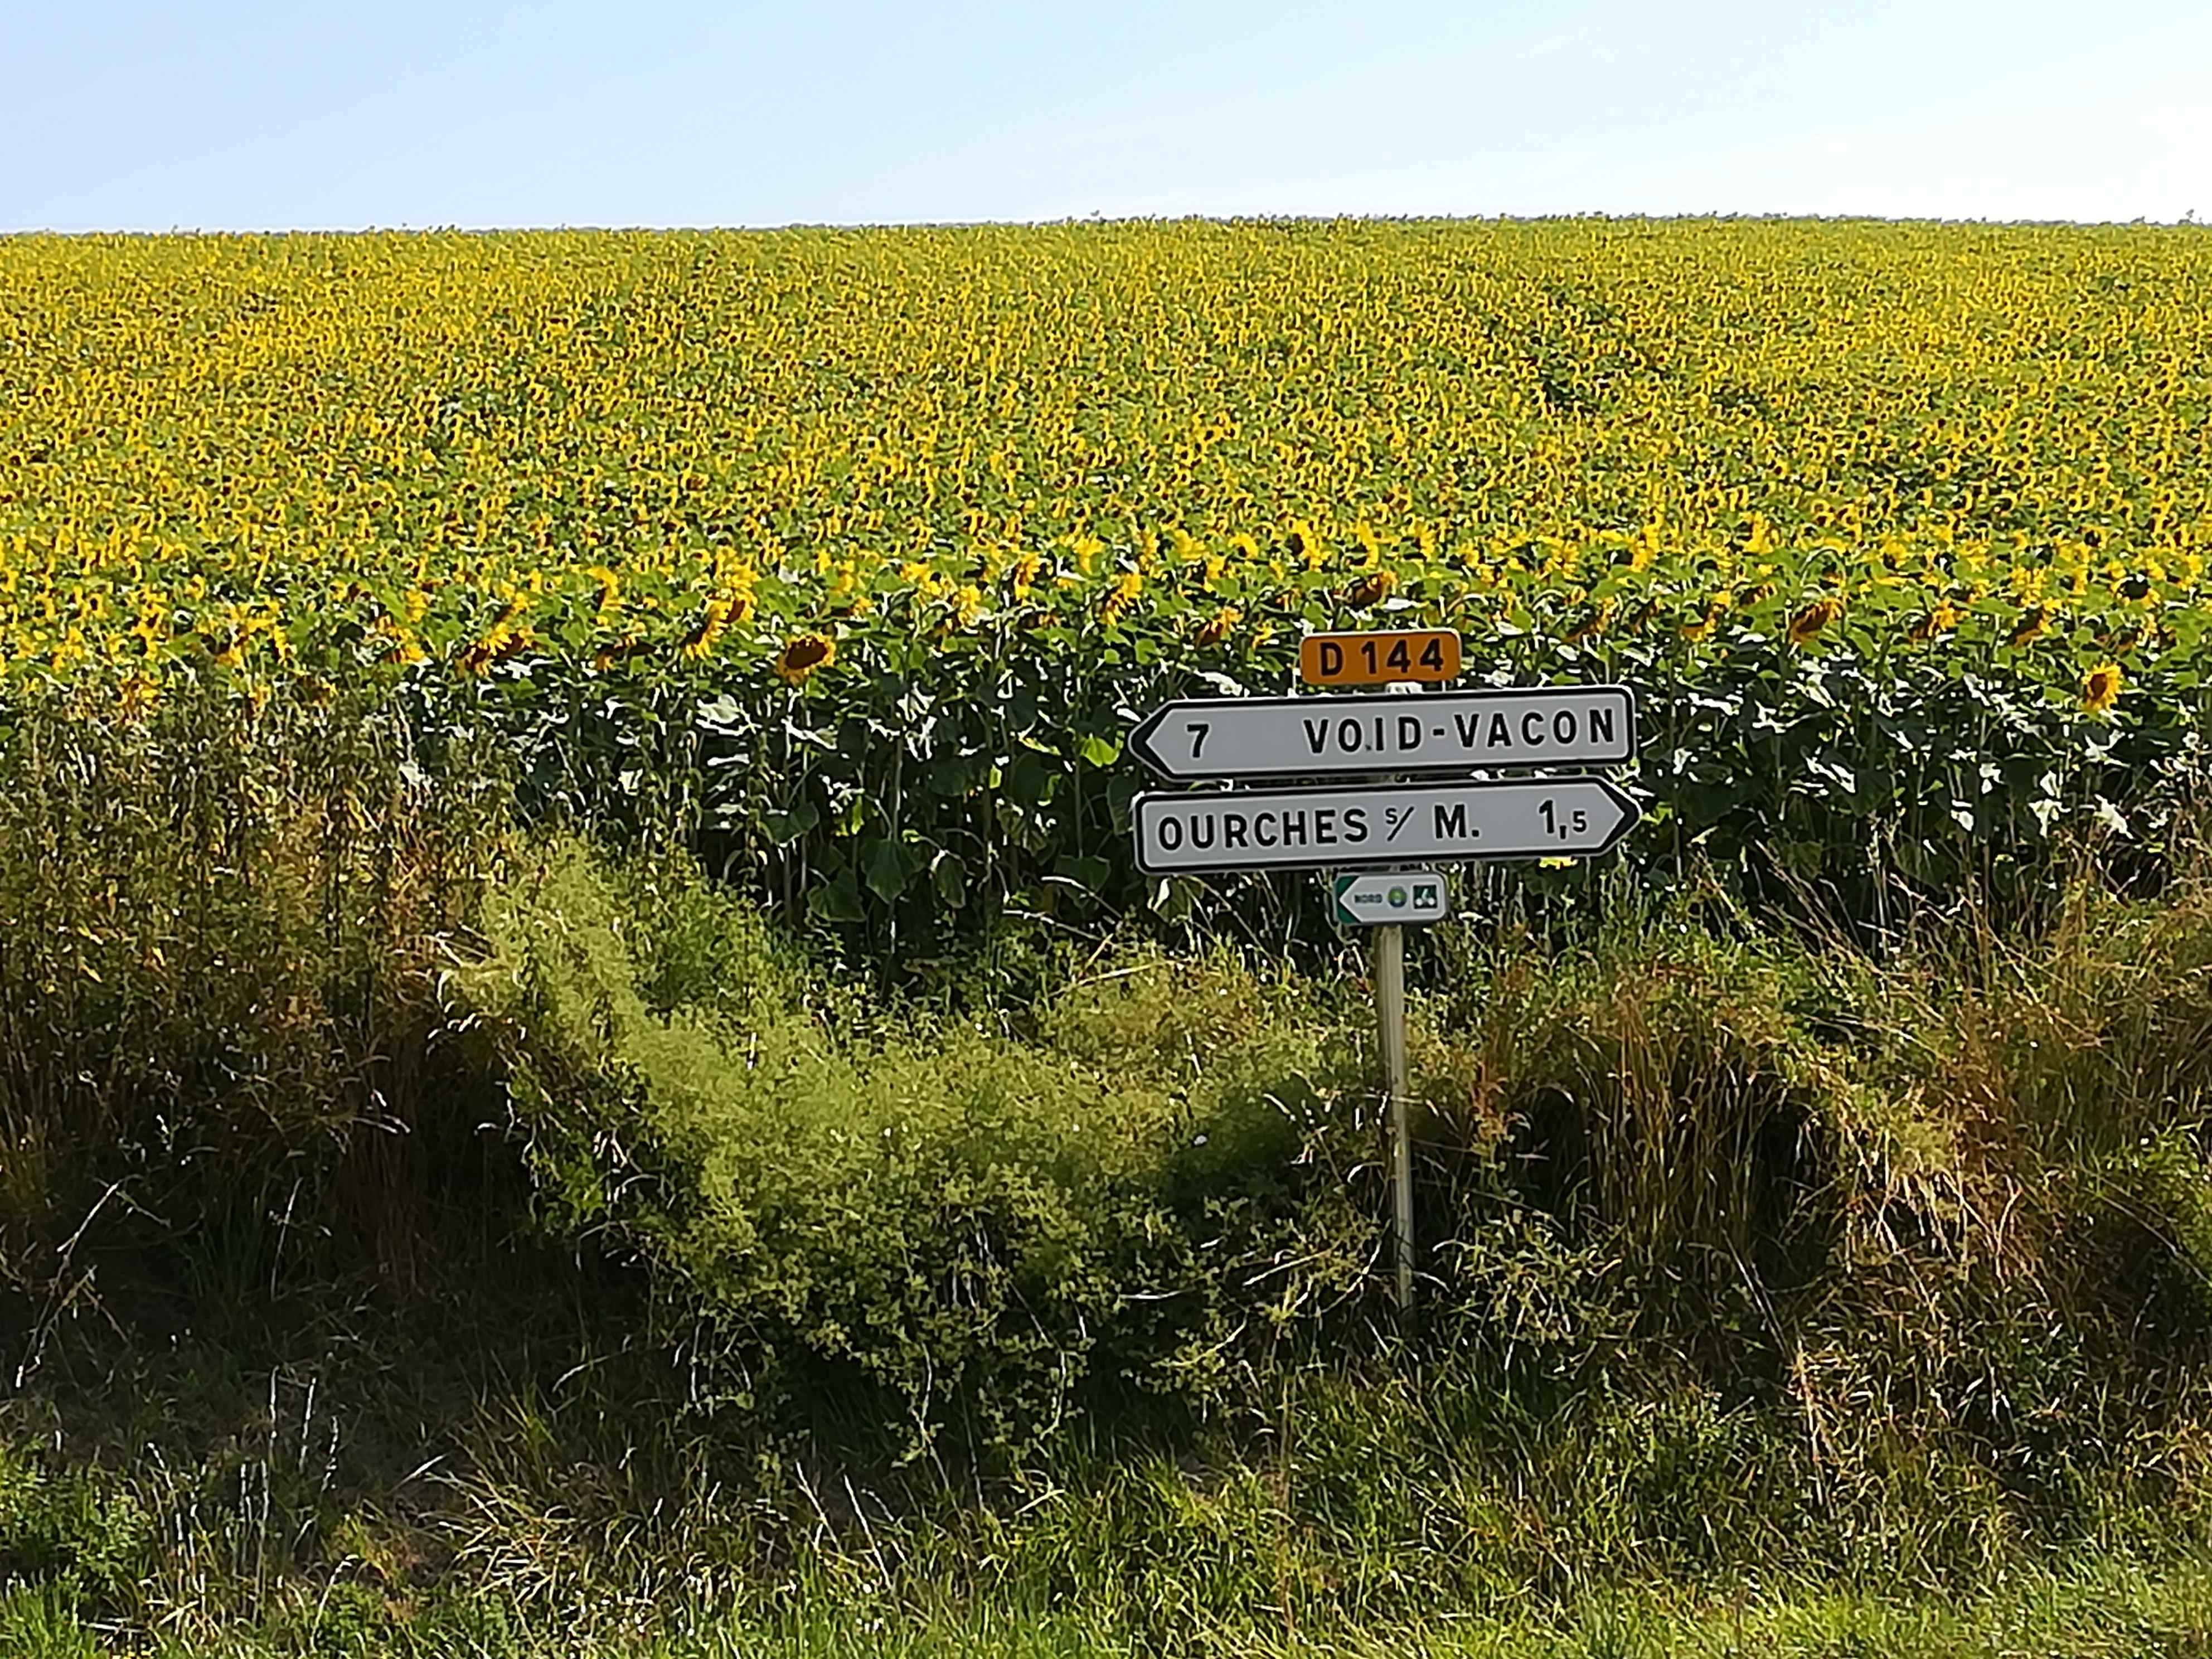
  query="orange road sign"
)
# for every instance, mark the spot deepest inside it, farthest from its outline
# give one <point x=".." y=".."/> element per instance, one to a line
<point x="1426" y="654"/>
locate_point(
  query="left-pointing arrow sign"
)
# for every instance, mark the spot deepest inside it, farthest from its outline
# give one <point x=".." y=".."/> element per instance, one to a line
<point x="1434" y="732"/>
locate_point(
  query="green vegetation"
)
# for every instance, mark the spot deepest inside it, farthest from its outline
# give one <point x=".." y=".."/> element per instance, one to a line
<point x="424" y="1231"/>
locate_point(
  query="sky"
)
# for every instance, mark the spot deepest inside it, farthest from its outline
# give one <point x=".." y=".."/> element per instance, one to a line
<point x="258" y="114"/>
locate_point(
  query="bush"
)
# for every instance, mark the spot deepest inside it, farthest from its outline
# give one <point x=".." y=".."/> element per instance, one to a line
<point x="930" y="1224"/>
<point x="1862" y="1199"/>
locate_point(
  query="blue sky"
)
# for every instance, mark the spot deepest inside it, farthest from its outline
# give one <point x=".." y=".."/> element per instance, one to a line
<point x="256" y="113"/>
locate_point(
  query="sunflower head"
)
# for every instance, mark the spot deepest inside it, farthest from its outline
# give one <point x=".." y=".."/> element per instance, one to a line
<point x="699" y="641"/>
<point x="1940" y="620"/>
<point x="1122" y="598"/>
<point x="1370" y="589"/>
<point x="1812" y="619"/>
<point x="2100" y="688"/>
<point x="137" y="695"/>
<point x="1588" y="623"/>
<point x="802" y="655"/>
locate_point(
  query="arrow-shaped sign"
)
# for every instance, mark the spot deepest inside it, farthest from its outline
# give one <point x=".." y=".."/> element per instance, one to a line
<point x="1364" y="827"/>
<point x="1433" y="731"/>
<point x="1390" y="898"/>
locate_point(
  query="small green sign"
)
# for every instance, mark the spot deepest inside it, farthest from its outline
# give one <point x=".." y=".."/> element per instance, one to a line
<point x="1387" y="897"/>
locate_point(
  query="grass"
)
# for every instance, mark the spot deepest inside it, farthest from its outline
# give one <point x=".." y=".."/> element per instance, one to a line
<point x="421" y="1235"/>
<point x="2108" y="1610"/>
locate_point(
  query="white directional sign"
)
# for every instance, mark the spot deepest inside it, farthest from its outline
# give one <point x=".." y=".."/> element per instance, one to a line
<point x="1393" y="896"/>
<point x="1353" y="827"/>
<point x="1431" y="731"/>
<point x="1333" y="824"/>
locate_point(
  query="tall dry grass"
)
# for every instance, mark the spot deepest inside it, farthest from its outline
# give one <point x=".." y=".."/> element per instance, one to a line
<point x="227" y="929"/>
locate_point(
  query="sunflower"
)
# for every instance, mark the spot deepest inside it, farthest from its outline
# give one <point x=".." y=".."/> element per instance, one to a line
<point x="1215" y="627"/>
<point x="1588" y="624"/>
<point x="1940" y="620"/>
<point x="1812" y="619"/>
<point x="136" y="694"/>
<point x="802" y="655"/>
<point x="1703" y="625"/>
<point x="610" y="585"/>
<point x="1370" y="589"/>
<point x="1120" y="597"/>
<point x="698" y="642"/>
<point x="1304" y="545"/>
<point x="2100" y="688"/>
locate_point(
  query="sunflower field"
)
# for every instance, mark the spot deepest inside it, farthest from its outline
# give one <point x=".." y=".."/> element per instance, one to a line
<point x="860" y="550"/>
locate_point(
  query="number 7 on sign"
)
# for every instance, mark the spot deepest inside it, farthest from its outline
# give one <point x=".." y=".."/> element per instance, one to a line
<point x="1198" y="731"/>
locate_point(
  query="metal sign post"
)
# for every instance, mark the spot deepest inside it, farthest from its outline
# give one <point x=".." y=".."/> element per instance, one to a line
<point x="1390" y="1011"/>
<point x="1388" y="901"/>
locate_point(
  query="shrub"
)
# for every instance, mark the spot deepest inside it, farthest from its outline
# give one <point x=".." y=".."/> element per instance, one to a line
<point x="925" y="1224"/>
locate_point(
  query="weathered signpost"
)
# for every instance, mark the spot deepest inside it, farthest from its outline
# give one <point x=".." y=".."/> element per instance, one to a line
<point x="1403" y="816"/>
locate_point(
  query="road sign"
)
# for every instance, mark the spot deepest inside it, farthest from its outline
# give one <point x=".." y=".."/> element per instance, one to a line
<point x="1384" y="827"/>
<point x="1361" y="826"/>
<point x="1426" y="654"/>
<point x="1391" y="898"/>
<point x="1440" y="731"/>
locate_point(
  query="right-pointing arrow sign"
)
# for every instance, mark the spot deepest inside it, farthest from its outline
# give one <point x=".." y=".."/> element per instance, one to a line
<point x="1366" y="828"/>
<point x="1434" y="732"/>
